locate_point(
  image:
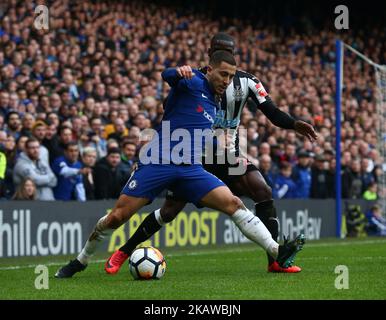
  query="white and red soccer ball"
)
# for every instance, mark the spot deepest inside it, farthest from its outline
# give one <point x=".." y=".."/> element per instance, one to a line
<point x="147" y="263"/>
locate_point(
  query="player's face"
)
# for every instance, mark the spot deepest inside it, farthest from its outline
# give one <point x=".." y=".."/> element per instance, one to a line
<point x="221" y="76"/>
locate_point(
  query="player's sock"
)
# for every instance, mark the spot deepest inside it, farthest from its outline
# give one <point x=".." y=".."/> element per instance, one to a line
<point x="266" y="211"/>
<point x="158" y="217"/>
<point x="95" y="239"/>
<point x="253" y="228"/>
<point x="152" y="223"/>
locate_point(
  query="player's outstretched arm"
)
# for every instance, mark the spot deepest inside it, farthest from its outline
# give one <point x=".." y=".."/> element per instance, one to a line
<point x="306" y="130"/>
<point x="284" y="120"/>
<point x="173" y="75"/>
<point x="259" y="95"/>
<point x="278" y="117"/>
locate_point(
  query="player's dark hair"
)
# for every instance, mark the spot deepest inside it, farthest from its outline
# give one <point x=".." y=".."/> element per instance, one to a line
<point x="221" y="41"/>
<point x="222" y="56"/>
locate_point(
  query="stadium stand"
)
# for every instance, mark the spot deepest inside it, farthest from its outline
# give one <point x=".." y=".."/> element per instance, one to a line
<point x="94" y="78"/>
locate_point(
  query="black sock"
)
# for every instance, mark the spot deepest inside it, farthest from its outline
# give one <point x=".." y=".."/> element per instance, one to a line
<point x="147" y="228"/>
<point x="266" y="211"/>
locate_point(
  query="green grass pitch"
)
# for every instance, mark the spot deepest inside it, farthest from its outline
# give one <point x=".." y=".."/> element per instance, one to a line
<point x="221" y="272"/>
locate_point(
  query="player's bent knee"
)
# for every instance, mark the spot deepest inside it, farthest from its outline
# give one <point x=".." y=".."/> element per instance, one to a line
<point x="237" y="202"/>
<point x="264" y="193"/>
<point x="170" y="210"/>
<point x="115" y="219"/>
<point x="258" y="188"/>
<point x="267" y="192"/>
<point x="168" y="214"/>
<point x="233" y="205"/>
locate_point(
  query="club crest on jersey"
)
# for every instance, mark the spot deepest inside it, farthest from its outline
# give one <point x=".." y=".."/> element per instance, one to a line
<point x="132" y="184"/>
<point x="238" y="93"/>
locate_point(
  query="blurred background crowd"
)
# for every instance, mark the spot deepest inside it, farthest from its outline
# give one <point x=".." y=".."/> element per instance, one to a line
<point x="75" y="98"/>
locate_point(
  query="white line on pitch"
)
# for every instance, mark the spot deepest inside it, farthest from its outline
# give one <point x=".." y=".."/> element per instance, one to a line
<point x="199" y="253"/>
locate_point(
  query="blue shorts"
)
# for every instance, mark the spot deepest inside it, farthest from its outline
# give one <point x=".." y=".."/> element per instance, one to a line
<point x="188" y="182"/>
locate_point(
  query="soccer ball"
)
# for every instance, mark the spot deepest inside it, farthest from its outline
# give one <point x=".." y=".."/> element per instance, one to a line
<point x="147" y="263"/>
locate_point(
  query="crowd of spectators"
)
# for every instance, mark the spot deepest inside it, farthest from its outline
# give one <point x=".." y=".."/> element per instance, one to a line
<point x="75" y="98"/>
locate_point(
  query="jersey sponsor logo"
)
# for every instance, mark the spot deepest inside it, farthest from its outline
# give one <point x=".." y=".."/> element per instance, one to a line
<point x="260" y="90"/>
<point x="221" y="122"/>
<point x="200" y="109"/>
<point x="204" y="96"/>
<point x="238" y="93"/>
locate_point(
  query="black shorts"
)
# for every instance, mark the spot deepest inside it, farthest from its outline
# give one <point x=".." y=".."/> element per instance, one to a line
<point x="221" y="171"/>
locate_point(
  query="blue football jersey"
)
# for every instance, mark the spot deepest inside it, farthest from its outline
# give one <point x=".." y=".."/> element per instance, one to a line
<point x="190" y="110"/>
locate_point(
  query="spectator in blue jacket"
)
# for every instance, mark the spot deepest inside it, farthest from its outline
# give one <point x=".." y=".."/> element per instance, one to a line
<point x="68" y="170"/>
<point x="284" y="187"/>
<point x="301" y="175"/>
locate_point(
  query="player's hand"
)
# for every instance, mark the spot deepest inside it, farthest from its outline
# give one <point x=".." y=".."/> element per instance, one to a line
<point x="305" y="129"/>
<point x="185" y="72"/>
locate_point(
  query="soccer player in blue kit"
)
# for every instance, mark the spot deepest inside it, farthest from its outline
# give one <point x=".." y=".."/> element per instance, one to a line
<point x="191" y="106"/>
<point x="248" y="182"/>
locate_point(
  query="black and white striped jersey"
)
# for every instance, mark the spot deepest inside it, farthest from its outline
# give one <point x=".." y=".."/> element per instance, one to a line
<point x="243" y="86"/>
